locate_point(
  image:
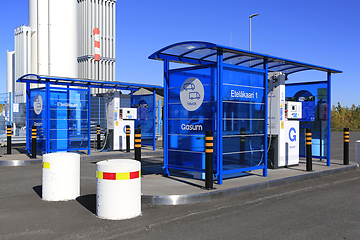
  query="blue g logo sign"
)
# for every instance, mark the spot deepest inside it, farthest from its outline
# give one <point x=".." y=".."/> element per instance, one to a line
<point x="292" y="136"/>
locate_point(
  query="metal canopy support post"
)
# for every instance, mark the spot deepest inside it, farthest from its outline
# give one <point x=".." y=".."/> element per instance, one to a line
<point x="11" y="97"/>
<point x="68" y="118"/>
<point x="266" y="115"/>
<point x="166" y="122"/>
<point x="98" y="110"/>
<point x="154" y="122"/>
<point x="132" y="100"/>
<point x="89" y="120"/>
<point x="159" y="117"/>
<point x="28" y="131"/>
<point x="328" y="119"/>
<point x="220" y="114"/>
<point x="47" y="128"/>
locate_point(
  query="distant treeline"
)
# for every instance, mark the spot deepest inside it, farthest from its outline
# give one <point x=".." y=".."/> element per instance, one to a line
<point x="342" y="117"/>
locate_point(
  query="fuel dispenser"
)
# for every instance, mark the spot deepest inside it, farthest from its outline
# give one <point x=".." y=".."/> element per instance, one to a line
<point x="117" y="119"/>
<point x="283" y="124"/>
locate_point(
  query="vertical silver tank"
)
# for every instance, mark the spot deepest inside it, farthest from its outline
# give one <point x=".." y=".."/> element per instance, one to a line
<point x="97" y="14"/>
<point x="55" y="45"/>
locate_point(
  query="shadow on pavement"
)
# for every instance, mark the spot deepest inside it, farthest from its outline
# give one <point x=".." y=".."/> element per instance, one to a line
<point x="38" y="190"/>
<point x="186" y="182"/>
<point x="88" y="201"/>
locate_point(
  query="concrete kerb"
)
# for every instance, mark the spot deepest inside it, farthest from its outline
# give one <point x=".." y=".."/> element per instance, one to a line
<point x="14" y="163"/>
<point x="212" y="195"/>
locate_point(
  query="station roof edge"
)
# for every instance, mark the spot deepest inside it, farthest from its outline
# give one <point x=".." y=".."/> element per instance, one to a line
<point x="77" y="82"/>
<point x="201" y="53"/>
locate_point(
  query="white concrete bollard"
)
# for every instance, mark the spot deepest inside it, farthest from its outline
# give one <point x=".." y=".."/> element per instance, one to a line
<point x="357" y="151"/>
<point x="118" y="189"/>
<point x="61" y="176"/>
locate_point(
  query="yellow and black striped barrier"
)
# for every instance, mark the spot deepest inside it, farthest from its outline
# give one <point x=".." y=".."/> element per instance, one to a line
<point x="98" y="136"/>
<point x="127" y="138"/>
<point x="308" y="141"/>
<point x="33" y="141"/>
<point x="137" y="144"/>
<point x="8" y="131"/>
<point x="209" y="151"/>
<point x="346" y="146"/>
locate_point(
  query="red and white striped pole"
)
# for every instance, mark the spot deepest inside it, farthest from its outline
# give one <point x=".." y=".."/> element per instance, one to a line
<point x="96" y="33"/>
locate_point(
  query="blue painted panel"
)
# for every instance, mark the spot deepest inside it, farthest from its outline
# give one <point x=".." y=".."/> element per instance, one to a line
<point x="243" y="78"/>
<point x="38" y="120"/>
<point x="58" y="119"/>
<point x="244" y="114"/>
<point x="174" y="93"/>
<point x="190" y="160"/>
<point x="194" y="143"/>
<point x="177" y="111"/>
<point x="243" y="160"/>
<point x="243" y="110"/>
<point x="243" y="144"/>
<point x="145" y="117"/>
<point x="187" y="128"/>
<point x="243" y="94"/>
<point x="68" y="123"/>
<point x="316" y="109"/>
<point x="308" y="111"/>
<point x="190" y="126"/>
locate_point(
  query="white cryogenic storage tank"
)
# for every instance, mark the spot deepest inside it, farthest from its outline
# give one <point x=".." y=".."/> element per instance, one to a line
<point x="55" y="42"/>
<point x="63" y="38"/>
<point x="33" y="25"/>
<point x="10" y="71"/>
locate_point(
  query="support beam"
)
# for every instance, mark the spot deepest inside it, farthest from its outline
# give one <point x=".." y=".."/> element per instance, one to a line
<point x="266" y="116"/>
<point x="220" y="120"/>
<point x="166" y="120"/>
<point x="328" y="156"/>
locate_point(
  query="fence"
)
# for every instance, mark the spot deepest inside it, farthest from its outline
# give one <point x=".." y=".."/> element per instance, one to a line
<point x="13" y="111"/>
<point x="15" y="114"/>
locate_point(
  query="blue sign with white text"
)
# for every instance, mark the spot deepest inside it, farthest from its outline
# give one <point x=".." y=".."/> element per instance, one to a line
<point x="308" y="111"/>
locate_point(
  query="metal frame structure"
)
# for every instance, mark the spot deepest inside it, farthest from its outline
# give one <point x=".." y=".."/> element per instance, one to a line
<point x="200" y="54"/>
<point x="328" y="132"/>
<point x="57" y="82"/>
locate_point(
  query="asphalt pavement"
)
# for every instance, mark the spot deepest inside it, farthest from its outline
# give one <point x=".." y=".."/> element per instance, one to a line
<point x="249" y="207"/>
<point x="320" y="208"/>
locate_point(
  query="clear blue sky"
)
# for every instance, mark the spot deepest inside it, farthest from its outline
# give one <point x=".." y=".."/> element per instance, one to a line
<point x="319" y="32"/>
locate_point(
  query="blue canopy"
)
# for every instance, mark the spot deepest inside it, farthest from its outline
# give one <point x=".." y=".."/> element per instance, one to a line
<point x="202" y="53"/>
<point x="32" y="78"/>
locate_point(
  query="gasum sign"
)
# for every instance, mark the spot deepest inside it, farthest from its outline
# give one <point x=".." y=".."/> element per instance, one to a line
<point x="192" y="94"/>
